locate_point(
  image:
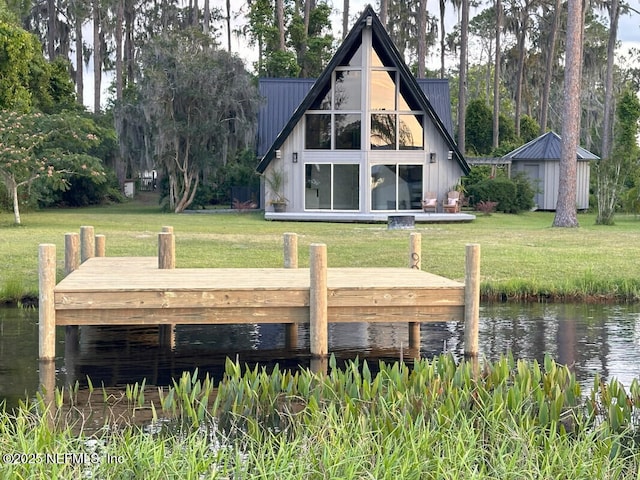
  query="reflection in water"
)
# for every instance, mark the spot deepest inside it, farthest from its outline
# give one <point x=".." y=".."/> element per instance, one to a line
<point x="589" y="338"/>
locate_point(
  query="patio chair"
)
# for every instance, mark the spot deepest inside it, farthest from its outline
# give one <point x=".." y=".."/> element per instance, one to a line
<point x="430" y="202"/>
<point x="452" y="205"/>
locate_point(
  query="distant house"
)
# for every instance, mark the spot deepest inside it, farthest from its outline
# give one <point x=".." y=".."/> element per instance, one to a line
<point x="364" y="140"/>
<point x="540" y="161"/>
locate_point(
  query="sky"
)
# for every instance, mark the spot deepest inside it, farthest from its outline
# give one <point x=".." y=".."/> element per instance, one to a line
<point x="628" y="35"/>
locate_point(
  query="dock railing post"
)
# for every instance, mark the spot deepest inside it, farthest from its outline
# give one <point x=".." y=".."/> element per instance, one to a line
<point x="471" y="299"/>
<point x="318" y="326"/>
<point x="415" y="262"/>
<point x="290" y="251"/>
<point x="166" y="261"/>
<point x="46" y="302"/>
<point x="87" y="243"/>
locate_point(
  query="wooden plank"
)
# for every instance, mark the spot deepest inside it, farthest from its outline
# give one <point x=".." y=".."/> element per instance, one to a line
<point x="391" y="296"/>
<point x="396" y="314"/>
<point x="181" y="299"/>
<point x="192" y="316"/>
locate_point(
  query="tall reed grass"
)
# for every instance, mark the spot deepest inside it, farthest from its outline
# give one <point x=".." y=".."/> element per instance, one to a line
<point x="432" y="420"/>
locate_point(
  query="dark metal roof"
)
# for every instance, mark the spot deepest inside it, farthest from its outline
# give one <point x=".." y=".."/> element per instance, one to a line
<point x="283" y="95"/>
<point x="546" y="147"/>
<point x="392" y="53"/>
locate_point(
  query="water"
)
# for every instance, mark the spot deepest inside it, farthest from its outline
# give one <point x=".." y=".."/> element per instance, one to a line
<point x="591" y="339"/>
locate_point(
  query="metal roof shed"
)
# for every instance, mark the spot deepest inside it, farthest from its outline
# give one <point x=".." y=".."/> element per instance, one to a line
<point x="539" y="159"/>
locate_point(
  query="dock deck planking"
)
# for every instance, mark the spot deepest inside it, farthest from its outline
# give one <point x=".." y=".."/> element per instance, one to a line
<point x="133" y="290"/>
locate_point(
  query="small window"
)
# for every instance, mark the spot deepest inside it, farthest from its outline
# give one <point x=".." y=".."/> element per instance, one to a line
<point x="317" y="131"/>
<point x="347" y="129"/>
<point x="383" y="131"/>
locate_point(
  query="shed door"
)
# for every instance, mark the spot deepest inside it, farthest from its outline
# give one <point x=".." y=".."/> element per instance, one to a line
<point x="532" y="170"/>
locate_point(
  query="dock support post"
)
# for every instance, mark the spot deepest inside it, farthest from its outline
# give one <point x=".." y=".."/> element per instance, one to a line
<point x="471" y="299"/>
<point x="46" y="301"/>
<point x="290" y="246"/>
<point x="415" y="262"/>
<point x="101" y="247"/>
<point x="166" y="261"/>
<point x="318" y="329"/>
<point x="87" y="243"/>
<point x="71" y="263"/>
<point x="166" y="250"/>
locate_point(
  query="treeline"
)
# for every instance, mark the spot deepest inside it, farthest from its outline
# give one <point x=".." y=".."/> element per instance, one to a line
<point x="509" y="58"/>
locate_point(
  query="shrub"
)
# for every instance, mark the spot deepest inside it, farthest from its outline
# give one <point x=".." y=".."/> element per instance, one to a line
<point x="512" y="195"/>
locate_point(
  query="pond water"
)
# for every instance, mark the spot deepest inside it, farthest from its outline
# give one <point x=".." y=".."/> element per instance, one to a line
<point x="591" y="339"/>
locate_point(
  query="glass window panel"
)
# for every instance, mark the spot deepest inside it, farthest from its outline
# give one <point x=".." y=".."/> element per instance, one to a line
<point x="382" y="90"/>
<point x="317" y="186"/>
<point x="383" y="187"/>
<point x="410" y="134"/>
<point x="318" y="131"/>
<point x="346" y="187"/>
<point x="409" y="187"/>
<point x="402" y="102"/>
<point x="323" y="102"/>
<point x="375" y="60"/>
<point x="355" y="60"/>
<point x="383" y="131"/>
<point x="348" y="131"/>
<point x="348" y="88"/>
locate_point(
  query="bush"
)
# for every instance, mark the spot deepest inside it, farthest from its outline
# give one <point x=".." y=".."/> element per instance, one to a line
<point x="513" y="195"/>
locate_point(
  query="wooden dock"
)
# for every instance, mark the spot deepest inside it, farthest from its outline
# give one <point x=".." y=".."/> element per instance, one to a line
<point x="100" y="290"/>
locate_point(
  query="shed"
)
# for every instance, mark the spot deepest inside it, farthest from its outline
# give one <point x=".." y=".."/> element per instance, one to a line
<point x="539" y="159"/>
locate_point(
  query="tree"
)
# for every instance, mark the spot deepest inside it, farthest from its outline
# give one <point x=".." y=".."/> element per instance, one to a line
<point x="614" y="16"/>
<point x="496" y="76"/>
<point x="613" y="171"/>
<point x="566" y="212"/>
<point x="462" y="87"/>
<point x="479" y="127"/>
<point x="199" y="107"/>
<point x="36" y="147"/>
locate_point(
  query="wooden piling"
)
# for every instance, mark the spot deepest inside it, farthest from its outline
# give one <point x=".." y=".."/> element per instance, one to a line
<point x="87" y="243"/>
<point x="46" y="301"/>
<point x="318" y="330"/>
<point x="71" y="263"/>
<point x="290" y="251"/>
<point x="166" y="250"/>
<point x="415" y="262"/>
<point x="167" y="261"/>
<point x="71" y="252"/>
<point x="472" y="299"/>
<point x="101" y="245"/>
<point x="290" y="244"/>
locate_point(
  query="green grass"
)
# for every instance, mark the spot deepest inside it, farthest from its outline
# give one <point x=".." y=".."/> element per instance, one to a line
<point x="434" y="420"/>
<point x="523" y="257"/>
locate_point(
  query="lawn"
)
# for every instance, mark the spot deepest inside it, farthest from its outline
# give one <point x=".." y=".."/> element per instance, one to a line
<point x="522" y="256"/>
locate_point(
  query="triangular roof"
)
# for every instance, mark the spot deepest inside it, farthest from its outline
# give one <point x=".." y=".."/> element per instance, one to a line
<point x="390" y="50"/>
<point x="284" y="95"/>
<point x="546" y="147"/>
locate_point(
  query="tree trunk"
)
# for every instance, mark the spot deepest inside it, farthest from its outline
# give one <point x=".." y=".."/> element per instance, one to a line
<point x="566" y="212"/>
<point x="13" y="187"/>
<point x="522" y="53"/>
<point x="280" y="23"/>
<point x="51" y="29"/>
<point x="79" y="50"/>
<point x="422" y="37"/>
<point x="462" y="87"/>
<point x="119" y="44"/>
<point x="384" y="9"/>
<point x="442" y="38"/>
<point x="548" y="74"/>
<point x="207" y="19"/>
<point x="97" y="56"/>
<point x="345" y="18"/>
<point x="129" y="49"/>
<point x="496" y="77"/>
<point x="607" y="128"/>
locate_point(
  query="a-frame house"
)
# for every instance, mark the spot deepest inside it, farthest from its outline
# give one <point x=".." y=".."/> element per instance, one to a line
<point x="361" y="142"/>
